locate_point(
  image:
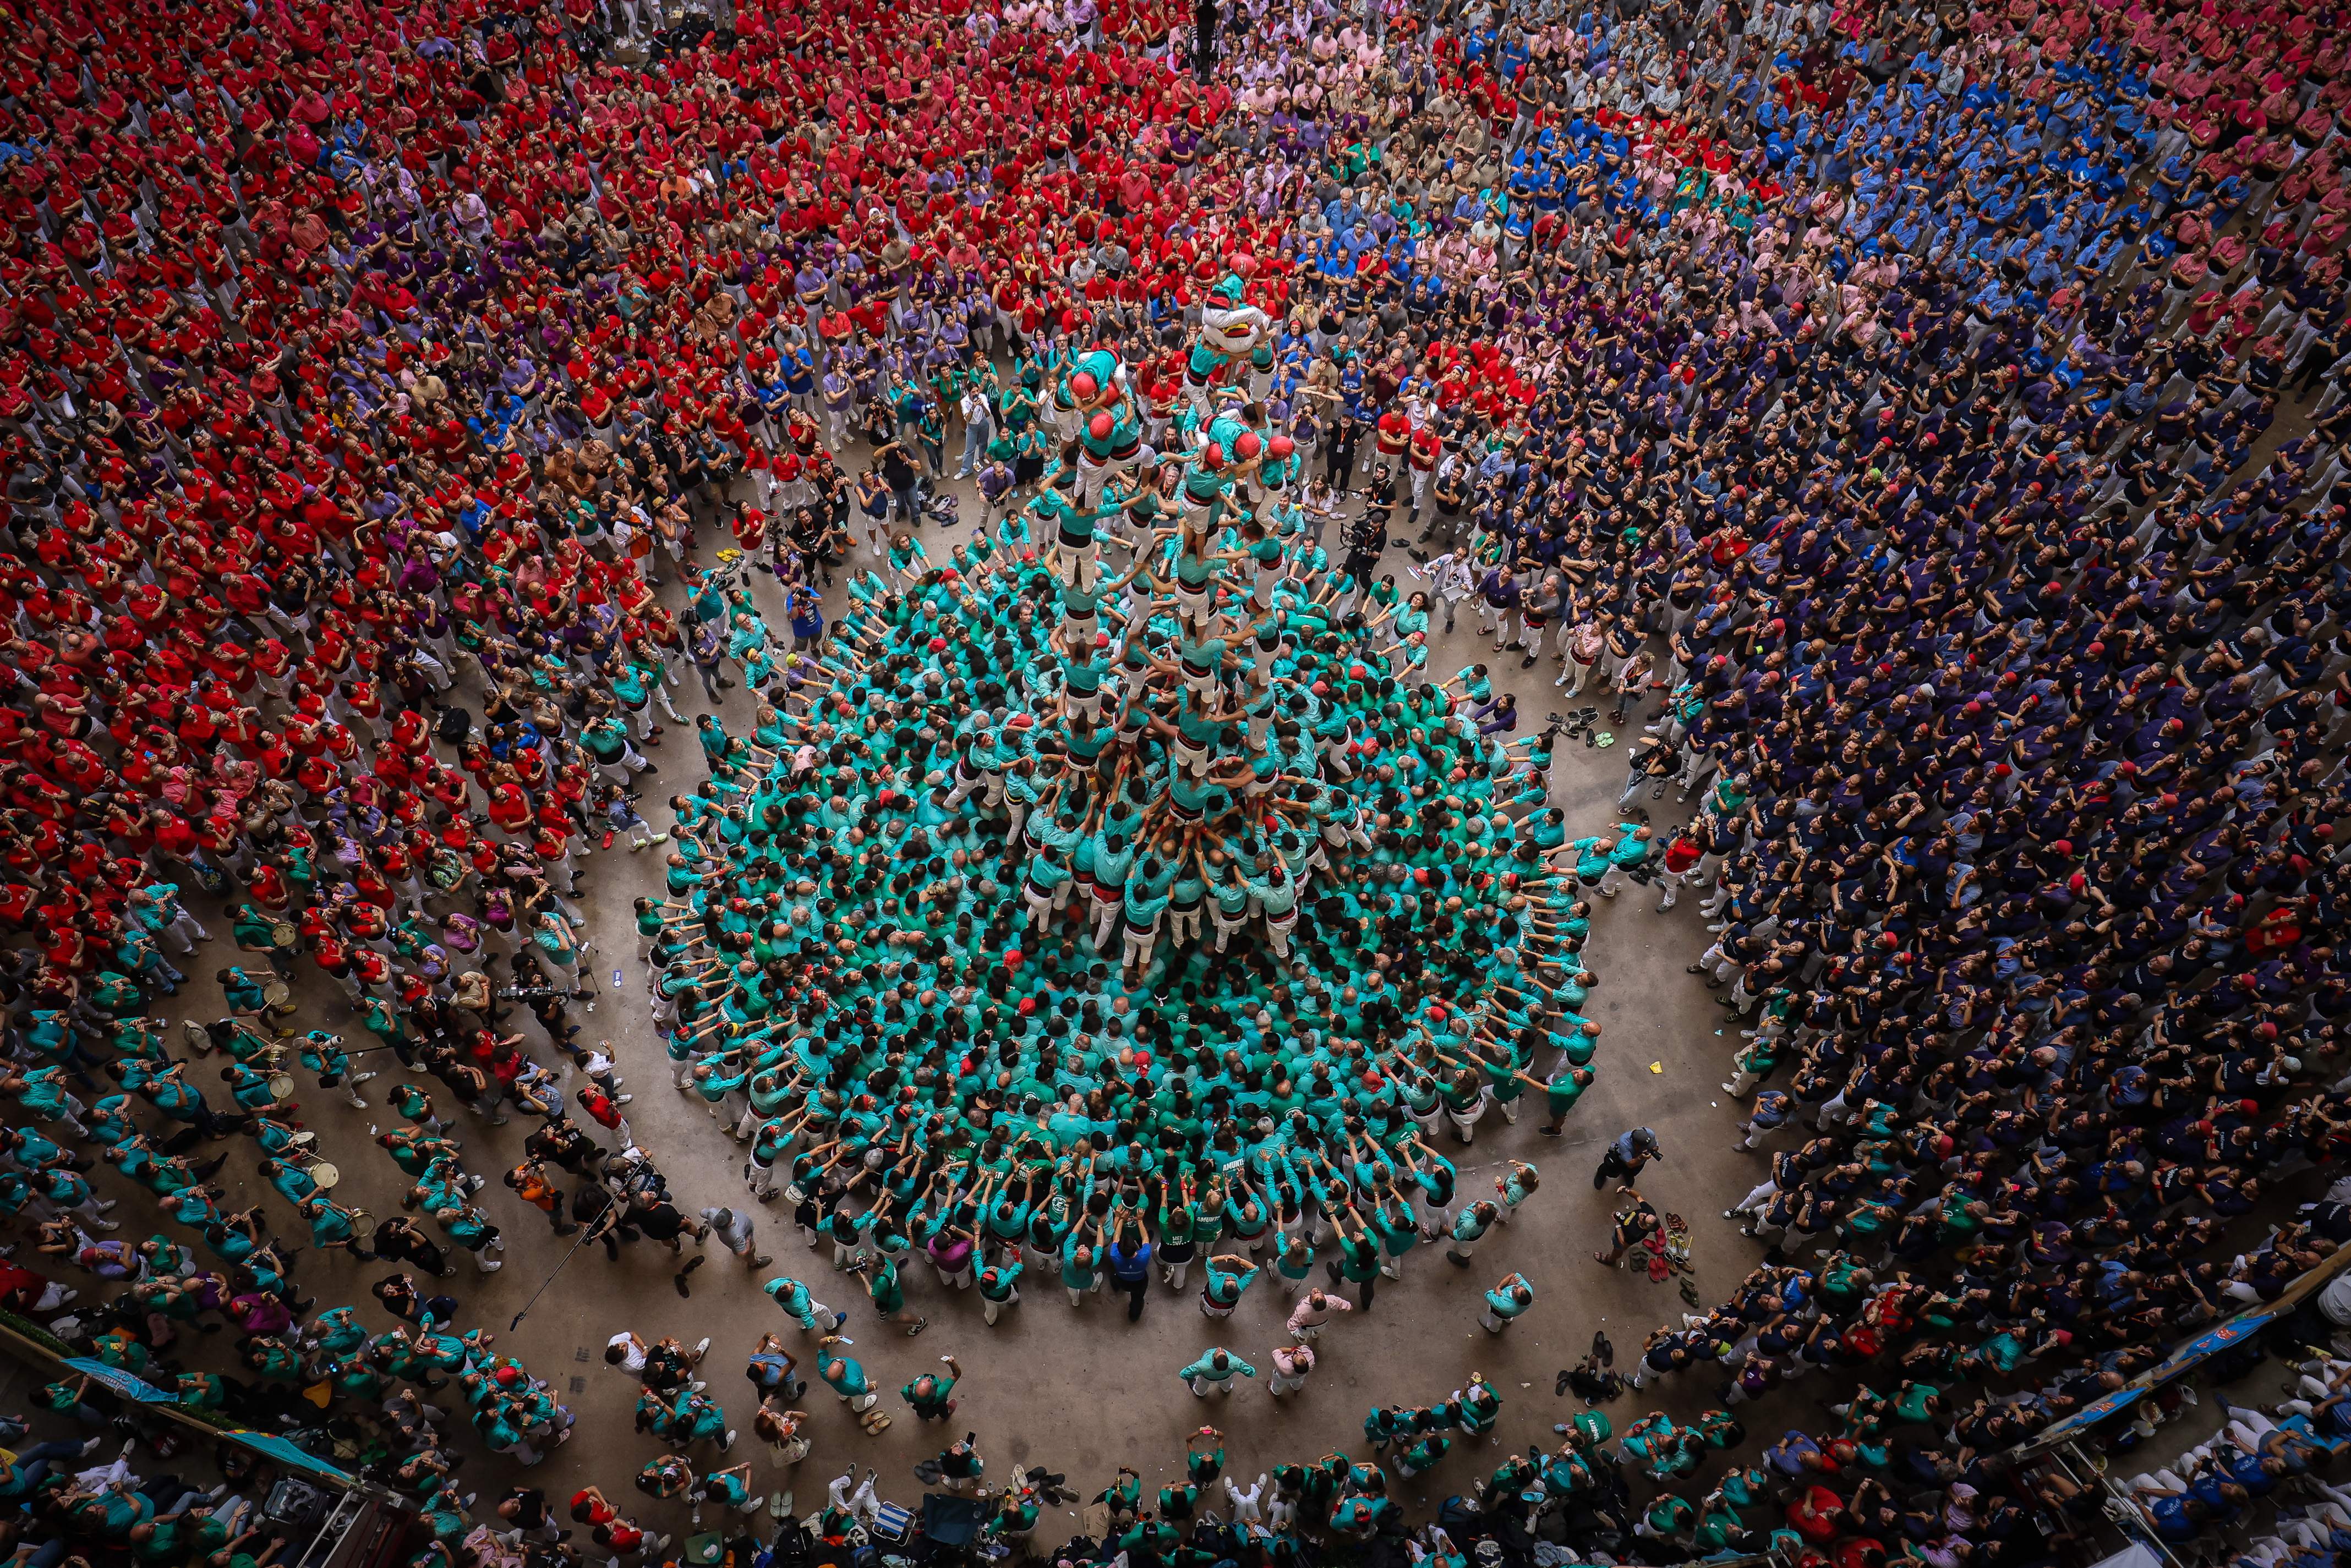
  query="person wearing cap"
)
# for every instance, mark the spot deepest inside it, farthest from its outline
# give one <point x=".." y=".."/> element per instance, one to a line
<point x="734" y="1229"/>
<point x="1624" y="1156"/>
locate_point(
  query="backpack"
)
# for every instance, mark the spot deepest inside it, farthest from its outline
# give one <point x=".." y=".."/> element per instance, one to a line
<point x="1459" y="1516"/>
<point x="1219" y="1540"/>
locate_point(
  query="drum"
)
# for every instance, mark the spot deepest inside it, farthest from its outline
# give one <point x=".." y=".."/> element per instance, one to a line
<point x="325" y="1175"/>
<point x="277" y="997"/>
<point x="281" y="1086"/>
<point x="282" y="934"/>
<point x="302" y="1141"/>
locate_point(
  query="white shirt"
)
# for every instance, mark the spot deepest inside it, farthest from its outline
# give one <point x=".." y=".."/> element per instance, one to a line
<point x="1306" y="1315"/>
<point x="1448" y="574"/>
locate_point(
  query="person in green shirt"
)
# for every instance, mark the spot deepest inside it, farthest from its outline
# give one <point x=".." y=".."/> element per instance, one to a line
<point x="1228" y="1275"/>
<point x="998" y="1285"/>
<point x="1561" y="1090"/>
<point x="1591" y="859"/>
<point x="1213" y="1373"/>
<point x="471" y="1229"/>
<point x="931" y="1395"/>
<point x="111" y="1511"/>
<point x="1015" y="1518"/>
<point x="1668" y="1517"/>
<point x="813" y="1315"/>
<point x="1630" y="852"/>
<point x="1423" y="1453"/>
<point x="846" y="1377"/>
<point x="1357" y="1264"/>
<point x="1506" y="1303"/>
<point x="1123" y="1496"/>
<point x="159" y="1541"/>
<point x="274" y="1359"/>
<point x="888" y="1294"/>
<point x="201" y="1391"/>
<point x="1915" y="1403"/>
<point x="729" y="1489"/>
<point x="238" y="1551"/>
<point x="1514" y="1187"/>
<point x="1384" y="1424"/>
<point x="1080" y="1272"/>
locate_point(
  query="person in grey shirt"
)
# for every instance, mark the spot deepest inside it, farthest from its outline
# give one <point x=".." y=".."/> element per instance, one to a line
<point x="733" y="1226"/>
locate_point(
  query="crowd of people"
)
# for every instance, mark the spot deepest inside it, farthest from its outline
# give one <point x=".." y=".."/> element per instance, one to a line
<point x="1934" y="412"/>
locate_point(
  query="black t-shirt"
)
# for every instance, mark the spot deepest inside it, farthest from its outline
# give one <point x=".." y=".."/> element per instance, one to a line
<point x="660" y="1221"/>
<point x="665" y="1368"/>
<point x="530" y="1507"/>
<point x="897" y="473"/>
<point x="399" y="1238"/>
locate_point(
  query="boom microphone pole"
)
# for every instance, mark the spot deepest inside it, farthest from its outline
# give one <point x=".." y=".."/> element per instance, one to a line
<point x="585" y="1231"/>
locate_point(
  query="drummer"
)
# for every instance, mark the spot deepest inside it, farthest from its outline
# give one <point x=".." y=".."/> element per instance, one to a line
<point x="254" y="1091"/>
<point x="322" y="1053"/>
<point x="257" y="930"/>
<point x="331" y="1224"/>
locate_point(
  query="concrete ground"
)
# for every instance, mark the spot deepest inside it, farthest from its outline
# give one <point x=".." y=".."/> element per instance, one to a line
<point x="1080" y="1392"/>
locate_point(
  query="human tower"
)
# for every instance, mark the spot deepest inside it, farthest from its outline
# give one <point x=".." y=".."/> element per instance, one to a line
<point x="1117" y="883"/>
